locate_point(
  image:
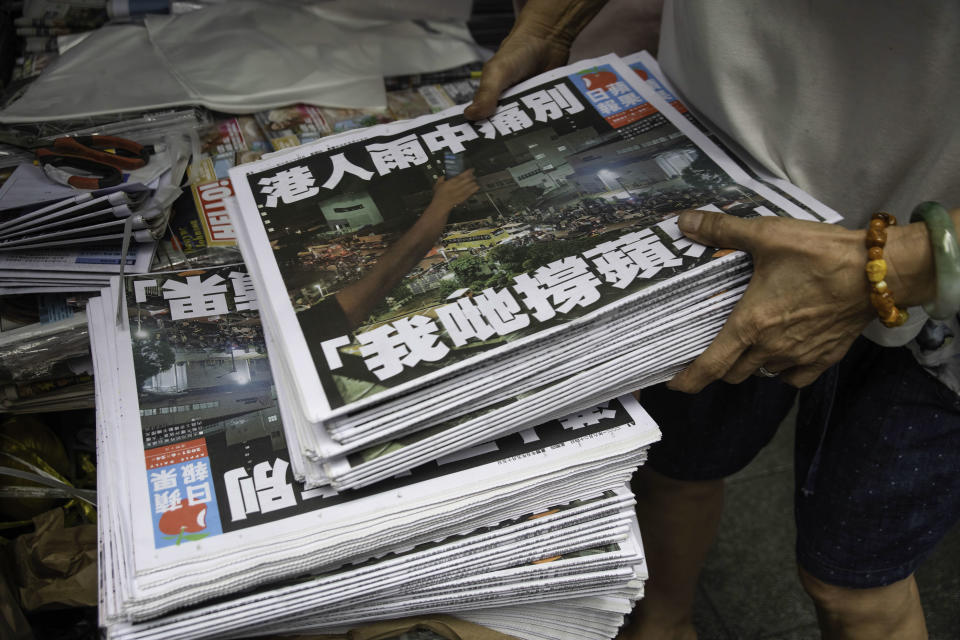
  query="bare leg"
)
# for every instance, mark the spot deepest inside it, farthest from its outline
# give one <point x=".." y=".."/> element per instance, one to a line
<point x="678" y="521"/>
<point x="893" y="611"/>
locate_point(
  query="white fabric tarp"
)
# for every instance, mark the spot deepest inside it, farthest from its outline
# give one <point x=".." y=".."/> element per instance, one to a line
<point x="241" y="57"/>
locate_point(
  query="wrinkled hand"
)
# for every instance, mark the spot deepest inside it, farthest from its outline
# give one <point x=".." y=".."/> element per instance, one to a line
<point x="520" y="56"/>
<point x="806" y="303"/>
<point x="449" y="193"/>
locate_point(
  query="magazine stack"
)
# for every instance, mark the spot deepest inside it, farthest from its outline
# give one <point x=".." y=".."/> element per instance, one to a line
<point x="205" y="531"/>
<point x="436" y="283"/>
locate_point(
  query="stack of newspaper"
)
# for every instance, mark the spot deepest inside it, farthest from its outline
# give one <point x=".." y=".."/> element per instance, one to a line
<point x="406" y="331"/>
<point x="66" y="231"/>
<point x="57" y="246"/>
<point x="204" y="531"/>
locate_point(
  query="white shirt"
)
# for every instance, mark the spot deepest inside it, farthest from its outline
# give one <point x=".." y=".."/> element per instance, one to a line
<point x="855" y="101"/>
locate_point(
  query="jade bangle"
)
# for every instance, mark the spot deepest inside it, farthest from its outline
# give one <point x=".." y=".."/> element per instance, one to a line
<point x="946" y="258"/>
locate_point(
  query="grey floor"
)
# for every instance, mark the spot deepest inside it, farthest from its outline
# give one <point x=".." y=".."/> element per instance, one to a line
<point x="749" y="589"/>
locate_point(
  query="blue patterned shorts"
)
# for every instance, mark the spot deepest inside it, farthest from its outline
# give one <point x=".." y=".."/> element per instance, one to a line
<point x="877" y="457"/>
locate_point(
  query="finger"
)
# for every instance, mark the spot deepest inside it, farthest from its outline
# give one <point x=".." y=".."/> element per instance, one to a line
<point x="502" y="71"/>
<point x="713" y="363"/>
<point x="464" y="176"/>
<point x="807" y="374"/>
<point x="719" y="229"/>
<point x="748" y="364"/>
<point x="803" y="376"/>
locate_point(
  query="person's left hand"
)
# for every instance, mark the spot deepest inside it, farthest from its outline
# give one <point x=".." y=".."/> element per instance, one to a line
<point x="806" y="303"/>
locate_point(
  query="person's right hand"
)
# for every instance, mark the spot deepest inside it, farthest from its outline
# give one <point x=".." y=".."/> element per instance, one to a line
<point x="539" y="41"/>
<point x="523" y="54"/>
<point x="449" y="193"/>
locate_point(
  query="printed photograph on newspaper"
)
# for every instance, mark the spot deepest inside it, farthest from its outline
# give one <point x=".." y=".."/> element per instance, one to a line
<point x="578" y="181"/>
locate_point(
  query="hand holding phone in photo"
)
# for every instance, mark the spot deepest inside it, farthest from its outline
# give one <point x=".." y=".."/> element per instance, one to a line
<point x="452" y="164"/>
<point x="450" y="191"/>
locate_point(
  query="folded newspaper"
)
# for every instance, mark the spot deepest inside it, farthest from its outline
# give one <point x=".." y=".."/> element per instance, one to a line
<point x="563" y="281"/>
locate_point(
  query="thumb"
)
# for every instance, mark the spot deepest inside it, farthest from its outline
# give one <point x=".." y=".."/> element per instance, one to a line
<point x="492" y="84"/>
<point x="503" y="70"/>
<point x="721" y="230"/>
<point x="484" y="101"/>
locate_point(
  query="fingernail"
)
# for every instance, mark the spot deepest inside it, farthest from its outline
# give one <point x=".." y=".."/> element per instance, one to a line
<point x="690" y="221"/>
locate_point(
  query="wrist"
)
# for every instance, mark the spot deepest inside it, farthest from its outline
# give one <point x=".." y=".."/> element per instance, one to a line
<point x="912" y="272"/>
<point x="437" y="209"/>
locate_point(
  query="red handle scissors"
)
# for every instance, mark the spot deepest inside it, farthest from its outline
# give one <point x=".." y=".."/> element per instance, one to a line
<point x="101" y="159"/>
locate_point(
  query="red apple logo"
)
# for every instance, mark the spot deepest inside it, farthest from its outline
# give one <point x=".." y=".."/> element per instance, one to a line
<point x="184" y="523"/>
<point x="599" y="79"/>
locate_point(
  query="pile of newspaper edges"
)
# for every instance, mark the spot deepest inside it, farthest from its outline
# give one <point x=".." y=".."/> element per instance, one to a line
<point x="320" y="487"/>
<point x="54" y="237"/>
<point x="205" y="538"/>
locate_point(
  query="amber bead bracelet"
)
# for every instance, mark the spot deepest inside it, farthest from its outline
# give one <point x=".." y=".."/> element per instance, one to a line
<point x="887" y="310"/>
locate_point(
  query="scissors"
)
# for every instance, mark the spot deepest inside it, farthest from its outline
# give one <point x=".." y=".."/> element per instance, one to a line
<point x="99" y="159"/>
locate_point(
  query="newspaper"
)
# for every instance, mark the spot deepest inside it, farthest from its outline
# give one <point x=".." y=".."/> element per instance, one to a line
<point x="578" y="172"/>
<point x="201" y="232"/>
<point x="567" y="619"/>
<point x="45" y="351"/>
<point x="597" y="533"/>
<point x="291" y="126"/>
<point x="216" y="476"/>
<point x="87" y="259"/>
<point x="407" y="103"/>
<point x="46" y="366"/>
<point x="647" y="67"/>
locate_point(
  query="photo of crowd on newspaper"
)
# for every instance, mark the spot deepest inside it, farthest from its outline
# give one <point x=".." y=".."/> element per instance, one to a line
<point x="578" y="185"/>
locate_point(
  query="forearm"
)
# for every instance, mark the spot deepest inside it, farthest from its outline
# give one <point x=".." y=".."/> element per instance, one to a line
<point x="556" y="20"/>
<point x="359" y="298"/>
<point x="412" y="246"/>
<point x="911" y="273"/>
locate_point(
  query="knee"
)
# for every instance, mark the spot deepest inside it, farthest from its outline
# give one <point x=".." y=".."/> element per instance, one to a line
<point x="827" y="597"/>
<point x="891" y="601"/>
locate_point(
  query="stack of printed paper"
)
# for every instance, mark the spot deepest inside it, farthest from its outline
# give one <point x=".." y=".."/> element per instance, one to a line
<point x="48" y="248"/>
<point x="407" y="331"/>
<point x="60" y="231"/>
<point x="418" y="439"/>
<point x="204" y="531"/>
<point x="70" y="240"/>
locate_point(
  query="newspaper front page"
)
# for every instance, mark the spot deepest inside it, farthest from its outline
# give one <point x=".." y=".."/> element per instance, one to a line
<point x="579" y="177"/>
